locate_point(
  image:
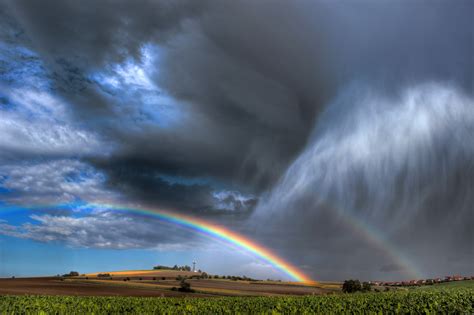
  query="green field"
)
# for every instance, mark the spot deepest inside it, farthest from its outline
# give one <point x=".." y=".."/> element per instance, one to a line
<point x="448" y="285"/>
<point x="450" y="301"/>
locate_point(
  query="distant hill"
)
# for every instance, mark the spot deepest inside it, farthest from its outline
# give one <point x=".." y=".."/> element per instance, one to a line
<point x="146" y="273"/>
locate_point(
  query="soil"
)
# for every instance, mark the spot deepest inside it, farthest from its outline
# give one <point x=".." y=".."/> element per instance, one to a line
<point x="152" y="284"/>
<point x="54" y="286"/>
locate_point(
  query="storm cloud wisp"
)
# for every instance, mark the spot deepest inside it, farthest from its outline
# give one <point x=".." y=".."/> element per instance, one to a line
<point x="402" y="164"/>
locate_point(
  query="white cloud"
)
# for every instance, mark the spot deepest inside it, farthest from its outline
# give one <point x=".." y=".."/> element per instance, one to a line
<point x="137" y="99"/>
<point x="368" y="142"/>
<point x="107" y="230"/>
<point x="39" y="123"/>
<point x="40" y="104"/>
<point x="52" y="182"/>
<point x="233" y="200"/>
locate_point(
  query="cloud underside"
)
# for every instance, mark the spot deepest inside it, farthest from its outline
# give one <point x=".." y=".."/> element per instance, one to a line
<point x="105" y="230"/>
<point x="306" y="116"/>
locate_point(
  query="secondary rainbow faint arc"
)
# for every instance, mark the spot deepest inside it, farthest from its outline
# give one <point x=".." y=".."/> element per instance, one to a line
<point x="224" y="234"/>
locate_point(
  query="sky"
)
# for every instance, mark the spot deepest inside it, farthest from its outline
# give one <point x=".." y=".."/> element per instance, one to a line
<point x="337" y="134"/>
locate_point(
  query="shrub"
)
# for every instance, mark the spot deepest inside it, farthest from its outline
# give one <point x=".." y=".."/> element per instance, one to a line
<point x="351" y="286"/>
<point x="185" y="286"/>
<point x="71" y="274"/>
<point x="366" y="287"/>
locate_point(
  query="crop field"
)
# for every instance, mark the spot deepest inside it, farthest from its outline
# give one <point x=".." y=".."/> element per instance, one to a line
<point x="448" y="285"/>
<point x="155" y="287"/>
<point x="449" y="301"/>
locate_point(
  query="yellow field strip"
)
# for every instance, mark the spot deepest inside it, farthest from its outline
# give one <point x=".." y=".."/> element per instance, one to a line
<point x="126" y="272"/>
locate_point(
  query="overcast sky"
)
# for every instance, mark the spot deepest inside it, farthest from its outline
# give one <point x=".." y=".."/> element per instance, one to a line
<point x="339" y="134"/>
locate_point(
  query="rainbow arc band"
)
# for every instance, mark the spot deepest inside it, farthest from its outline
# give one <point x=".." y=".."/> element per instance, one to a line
<point x="221" y="233"/>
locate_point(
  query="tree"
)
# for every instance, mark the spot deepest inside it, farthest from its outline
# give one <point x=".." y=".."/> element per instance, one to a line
<point x="366" y="287"/>
<point x="351" y="286"/>
<point x="185" y="286"/>
<point x="71" y="274"/>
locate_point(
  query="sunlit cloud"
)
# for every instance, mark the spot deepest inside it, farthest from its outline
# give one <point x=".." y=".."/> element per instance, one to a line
<point x="132" y="87"/>
<point x="103" y="230"/>
<point x="232" y="200"/>
<point x="53" y="182"/>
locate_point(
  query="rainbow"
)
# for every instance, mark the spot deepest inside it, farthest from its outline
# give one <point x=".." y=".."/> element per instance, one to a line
<point x="377" y="239"/>
<point x="217" y="232"/>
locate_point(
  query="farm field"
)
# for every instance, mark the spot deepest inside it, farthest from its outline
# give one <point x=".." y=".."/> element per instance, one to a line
<point x="54" y="286"/>
<point x="450" y="301"/>
<point x="150" y="291"/>
<point x="152" y="283"/>
<point x="448" y="285"/>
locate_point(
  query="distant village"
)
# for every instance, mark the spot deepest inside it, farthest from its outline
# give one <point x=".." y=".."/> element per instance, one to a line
<point x="420" y="282"/>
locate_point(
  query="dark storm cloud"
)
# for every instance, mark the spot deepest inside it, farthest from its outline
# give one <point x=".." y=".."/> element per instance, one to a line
<point x="255" y="74"/>
<point x="401" y="169"/>
<point x="260" y="84"/>
<point x="147" y="186"/>
<point x="78" y="37"/>
<point x="390" y="267"/>
<point x="94" y="33"/>
<point x="254" y="81"/>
